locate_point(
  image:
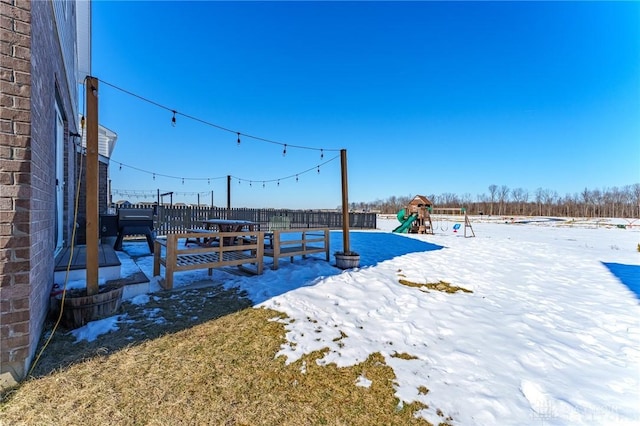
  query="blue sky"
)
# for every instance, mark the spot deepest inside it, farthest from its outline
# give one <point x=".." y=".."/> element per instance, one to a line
<point x="426" y="97"/>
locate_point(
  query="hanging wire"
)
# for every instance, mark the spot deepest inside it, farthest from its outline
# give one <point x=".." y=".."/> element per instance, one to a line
<point x="208" y="179"/>
<point x="295" y="175"/>
<point x="145" y="193"/>
<point x="238" y="133"/>
<point x="217" y="126"/>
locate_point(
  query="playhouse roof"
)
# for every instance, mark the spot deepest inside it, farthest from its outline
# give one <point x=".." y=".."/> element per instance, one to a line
<point x="420" y="199"/>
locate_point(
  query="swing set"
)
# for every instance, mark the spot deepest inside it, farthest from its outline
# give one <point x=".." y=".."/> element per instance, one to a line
<point x="444" y="225"/>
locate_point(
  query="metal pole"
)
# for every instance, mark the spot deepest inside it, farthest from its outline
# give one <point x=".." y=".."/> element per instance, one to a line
<point x="345" y="202"/>
<point x="92" y="188"/>
<point x="228" y="192"/>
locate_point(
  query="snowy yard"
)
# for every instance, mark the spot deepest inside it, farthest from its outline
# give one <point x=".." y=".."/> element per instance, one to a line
<point x="549" y="333"/>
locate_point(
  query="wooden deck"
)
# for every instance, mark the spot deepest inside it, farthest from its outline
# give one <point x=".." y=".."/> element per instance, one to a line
<point x="106" y="257"/>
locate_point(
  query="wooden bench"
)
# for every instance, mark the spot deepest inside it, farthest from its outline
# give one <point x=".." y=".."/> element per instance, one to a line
<point x="311" y="240"/>
<point x="232" y="249"/>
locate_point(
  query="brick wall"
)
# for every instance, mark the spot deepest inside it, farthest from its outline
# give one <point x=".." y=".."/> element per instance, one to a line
<point x="15" y="175"/>
<point x="32" y="76"/>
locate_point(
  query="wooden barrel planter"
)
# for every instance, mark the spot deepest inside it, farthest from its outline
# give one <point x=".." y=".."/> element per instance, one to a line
<point x="79" y="309"/>
<point x="347" y="260"/>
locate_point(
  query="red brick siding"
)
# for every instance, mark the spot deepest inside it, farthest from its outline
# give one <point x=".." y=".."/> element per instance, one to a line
<point x="31" y="75"/>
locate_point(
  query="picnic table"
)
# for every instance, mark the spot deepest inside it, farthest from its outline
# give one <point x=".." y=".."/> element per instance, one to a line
<point x="229" y="225"/>
<point x="214" y="226"/>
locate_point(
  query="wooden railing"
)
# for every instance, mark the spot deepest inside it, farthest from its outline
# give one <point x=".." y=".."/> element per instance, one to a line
<point x="172" y="219"/>
<point x="305" y="241"/>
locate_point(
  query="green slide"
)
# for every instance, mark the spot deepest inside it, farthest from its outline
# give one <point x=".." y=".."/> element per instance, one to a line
<point x="406" y="223"/>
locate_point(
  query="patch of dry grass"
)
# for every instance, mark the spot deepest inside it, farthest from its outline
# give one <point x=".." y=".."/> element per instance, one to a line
<point x="403" y="355"/>
<point x="218" y="371"/>
<point x="439" y="286"/>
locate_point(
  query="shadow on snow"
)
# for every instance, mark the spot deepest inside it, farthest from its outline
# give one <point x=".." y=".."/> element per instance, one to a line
<point x="172" y="311"/>
<point x="376" y="247"/>
<point x="629" y="275"/>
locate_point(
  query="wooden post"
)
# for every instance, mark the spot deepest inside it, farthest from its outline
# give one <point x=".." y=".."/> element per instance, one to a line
<point x="345" y="202"/>
<point x="92" y="189"/>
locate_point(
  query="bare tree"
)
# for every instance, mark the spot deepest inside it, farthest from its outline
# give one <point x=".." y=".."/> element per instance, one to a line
<point x="503" y="196"/>
<point x="610" y="202"/>
<point x="539" y="198"/>
<point x="548" y="198"/>
<point x="519" y="196"/>
<point x="635" y="199"/>
<point x="493" y="190"/>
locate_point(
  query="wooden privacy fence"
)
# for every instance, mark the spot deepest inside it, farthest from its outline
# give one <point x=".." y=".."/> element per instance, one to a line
<point x="172" y="219"/>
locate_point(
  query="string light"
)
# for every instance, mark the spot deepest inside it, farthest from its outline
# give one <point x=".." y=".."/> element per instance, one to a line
<point x="278" y="182"/>
<point x="208" y="179"/>
<point x="263" y="184"/>
<point x="174" y="112"/>
<point x="151" y="193"/>
<point x="173" y="121"/>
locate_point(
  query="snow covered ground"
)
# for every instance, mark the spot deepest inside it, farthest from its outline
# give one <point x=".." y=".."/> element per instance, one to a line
<point x="549" y="334"/>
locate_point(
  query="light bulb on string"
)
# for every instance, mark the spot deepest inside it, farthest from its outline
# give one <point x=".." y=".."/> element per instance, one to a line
<point x="238" y="138"/>
<point x="263" y="185"/>
<point x="321" y="153"/>
<point x="154" y="176"/>
<point x="250" y="183"/>
<point x="278" y="182"/>
<point x="318" y="169"/>
<point x="173" y="119"/>
<point x="183" y="181"/>
<point x="296" y="178"/>
<point x="120" y="166"/>
<point x="208" y="181"/>
<point x="284" y="152"/>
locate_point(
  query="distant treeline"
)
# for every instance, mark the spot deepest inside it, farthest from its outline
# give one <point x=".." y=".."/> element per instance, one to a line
<point x="505" y="201"/>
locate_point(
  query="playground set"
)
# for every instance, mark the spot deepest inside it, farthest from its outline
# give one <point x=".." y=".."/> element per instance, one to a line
<point x="417" y="218"/>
